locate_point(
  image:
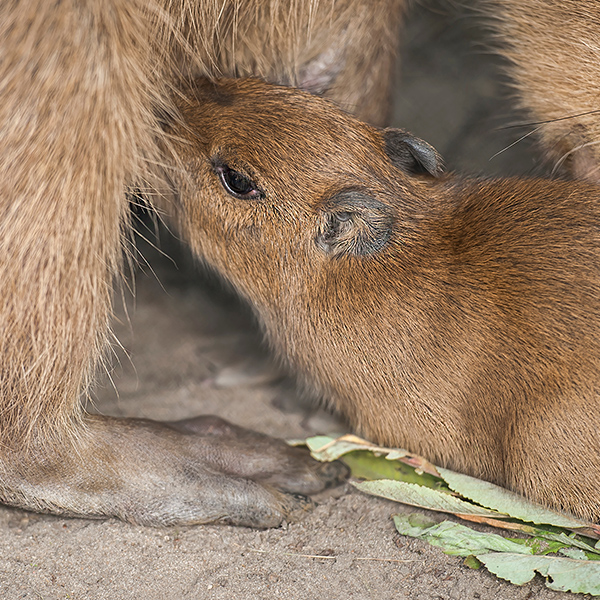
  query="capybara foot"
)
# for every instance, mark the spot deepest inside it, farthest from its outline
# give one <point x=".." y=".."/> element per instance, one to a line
<point x="150" y="473"/>
<point x="244" y="453"/>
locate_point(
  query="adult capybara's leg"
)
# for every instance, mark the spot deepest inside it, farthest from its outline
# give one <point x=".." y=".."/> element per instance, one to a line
<point x="554" y="59"/>
<point x="244" y="453"/>
<point x="73" y="119"/>
<point x="79" y="82"/>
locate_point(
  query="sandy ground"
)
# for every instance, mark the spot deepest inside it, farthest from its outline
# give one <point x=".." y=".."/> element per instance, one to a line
<point x="189" y="347"/>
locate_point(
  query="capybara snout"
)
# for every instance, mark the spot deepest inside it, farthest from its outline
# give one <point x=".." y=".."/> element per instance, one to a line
<point x="455" y="317"/>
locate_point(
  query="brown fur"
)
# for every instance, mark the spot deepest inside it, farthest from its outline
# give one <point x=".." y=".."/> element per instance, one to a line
<point x="457" y="318"/>
<point x="84" y="84"/>
<point x="554" y="54"/>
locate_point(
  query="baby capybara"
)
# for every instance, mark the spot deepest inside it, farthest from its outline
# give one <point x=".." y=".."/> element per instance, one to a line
<point x="458" y="318"/>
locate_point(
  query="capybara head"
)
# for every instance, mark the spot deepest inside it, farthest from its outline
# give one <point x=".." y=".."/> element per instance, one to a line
<point x="268" y="192"/>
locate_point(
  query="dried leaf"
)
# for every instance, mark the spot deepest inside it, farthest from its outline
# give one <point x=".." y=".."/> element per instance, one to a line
<point x="496" y="522"/>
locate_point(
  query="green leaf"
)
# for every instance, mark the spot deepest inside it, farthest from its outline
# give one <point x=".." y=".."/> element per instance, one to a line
<point x="592" y="556"/>
<point x="575" y="553"/>
<point x="412" y="480"/>
<point x="472" y="562"/>
<point x="564" y="574"/>
<point x="365" y="465"/>
<point x="563" y="539"/>
<point x="508" y="559"/>
<point x="454" y="538"/>
<point x="494" y="497"/>
<point x="542" y="546"/>
<point x="418" y="495"/>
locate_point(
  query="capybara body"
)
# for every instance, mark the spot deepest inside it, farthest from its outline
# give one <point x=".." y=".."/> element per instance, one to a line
<point x="84" y="86"/>
<point x="457" y="318"/>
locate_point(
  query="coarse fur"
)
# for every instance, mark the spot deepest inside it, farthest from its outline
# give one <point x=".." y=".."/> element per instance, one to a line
<point x="84" y="86"/>
<point x="553" y="52"/>
<point x="457" y="318"/>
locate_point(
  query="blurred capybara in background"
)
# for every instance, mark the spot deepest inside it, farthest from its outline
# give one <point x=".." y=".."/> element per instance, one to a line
<point x="553" y="51"/>
<point x="457" y="318"/>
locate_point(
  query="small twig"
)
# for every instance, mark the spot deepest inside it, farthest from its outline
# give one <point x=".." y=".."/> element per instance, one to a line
<point x="396" y="560"/>
<point x="294" y="554"/>
<point x="327" y="557"/>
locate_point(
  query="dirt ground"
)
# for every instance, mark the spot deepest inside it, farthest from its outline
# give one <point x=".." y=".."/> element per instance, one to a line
<point x="195" y="350"/>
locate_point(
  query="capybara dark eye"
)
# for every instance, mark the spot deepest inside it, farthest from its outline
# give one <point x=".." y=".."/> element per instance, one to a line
<point x="237" y="184"/>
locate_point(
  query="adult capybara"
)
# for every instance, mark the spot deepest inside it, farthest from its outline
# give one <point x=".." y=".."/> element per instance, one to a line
<point x="457" y="318"/>
<point x="553" y="52"/>
<point x="83" y="86"/>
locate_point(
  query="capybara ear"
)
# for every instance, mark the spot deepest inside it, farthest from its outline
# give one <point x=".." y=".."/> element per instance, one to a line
<point x="411" y="154"/>
<point x="354" y="223"/>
